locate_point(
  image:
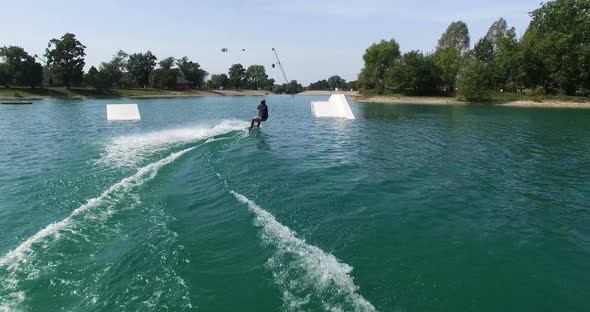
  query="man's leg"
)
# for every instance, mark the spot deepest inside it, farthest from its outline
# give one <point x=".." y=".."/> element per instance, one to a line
<point x="255" y="119"/>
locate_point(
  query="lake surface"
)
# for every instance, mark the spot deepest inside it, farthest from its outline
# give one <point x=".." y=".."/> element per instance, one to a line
<point x="406" y="208"/>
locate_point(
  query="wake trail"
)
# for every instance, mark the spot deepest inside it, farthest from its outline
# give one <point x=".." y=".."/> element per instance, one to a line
<point x="307" y="275"/>
<point x="20" y="264"/>
<point x="12" y="260"/>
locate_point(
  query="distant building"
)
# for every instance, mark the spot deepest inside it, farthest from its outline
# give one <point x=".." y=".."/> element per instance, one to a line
<point x="183" y="84"/>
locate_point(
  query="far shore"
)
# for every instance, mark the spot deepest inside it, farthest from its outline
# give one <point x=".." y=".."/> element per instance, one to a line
<point x="77" y="93"/>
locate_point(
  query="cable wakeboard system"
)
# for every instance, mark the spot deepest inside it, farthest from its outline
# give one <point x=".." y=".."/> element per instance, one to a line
<point x="336" y="107"/>
<point x="278" y="62"/>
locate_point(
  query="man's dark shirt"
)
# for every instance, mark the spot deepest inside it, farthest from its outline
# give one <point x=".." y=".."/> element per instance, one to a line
<point x="263" y="111"/>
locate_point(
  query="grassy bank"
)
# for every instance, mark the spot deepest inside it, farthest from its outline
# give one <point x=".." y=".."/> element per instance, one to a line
<point x="62" y="92"/>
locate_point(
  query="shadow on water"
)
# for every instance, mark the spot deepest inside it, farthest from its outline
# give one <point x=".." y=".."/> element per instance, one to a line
<point x="261" y="139"/>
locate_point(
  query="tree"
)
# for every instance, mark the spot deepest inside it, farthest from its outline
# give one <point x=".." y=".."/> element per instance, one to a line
<point x="35" y="74"/>
<point x="14" y="57"/>
<point x="5" y="75"/>
<point x="498" y="52"/>
<point x="484" y="51"/>
<point x="20" y="67"/>
<point x="256" y="77"/>
<point x="456" y="36"/>
<point x="472" y="81"/>
<point x="416" y="72"/>
<point x="497" y="30"/>
<point x="237" y="75"/>
<point x="279" y="89"/>
<point x="448" y="61"/>
<point x="192" y="71"/>
<point x="99" y="80"/>
<point x="336" y="82"/>
<point x="140" y="66"/>
<point x="507" y="71"/>
<point x="293" y="87"/>
<point x="556" y="46"/>
<point x="166" y="77"/>
<point x="65" y="56"/>
<point x="379" y="58"/>
<point x="219" y="81"/>
<point x="115" y="68"/>
<point x="90" y="76"/>
<point x="319" y="85"/>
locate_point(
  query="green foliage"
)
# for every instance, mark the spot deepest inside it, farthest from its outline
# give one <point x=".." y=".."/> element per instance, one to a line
<point x="99" y="80"/>
<point x="35" y="74"/>
<point x="379" y="59"/>
<point x="65" y="57"/>
<point x="484" y="51"/>
<point x="497" y="30"/>
<point x="5" y="75"/>
<point x="237" y="76"/>
<point x="279" y="89"/>
<point x="331" y="84"/>
<point x="115" y="68"/>
<point x="456" y="36"/>
<point x="336" y="82"/>
<point x="416" y="72"/>
<point x="448" y="61"/>
<point x="293" y="87"/>
<point x="20" y="68"/>
<point x="90" y="76"/>
<point x="319" y="85"/>
<point x="218" y="81"/>
<point x="256" y="77"/>
<point x="192" y="71"/>
<point x="140" y="66"/>
<point x="166" y="77"/>
<point x="472" y="81"/>
<point x="507" y="71"/>
<point x="556" y="47"/>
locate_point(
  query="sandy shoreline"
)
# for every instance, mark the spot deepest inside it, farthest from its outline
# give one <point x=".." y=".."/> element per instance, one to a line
<point x="357" y="97"/>
<point x="452" y="101"/>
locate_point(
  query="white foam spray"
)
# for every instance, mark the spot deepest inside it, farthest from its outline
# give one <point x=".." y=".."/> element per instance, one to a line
<point x="306" y="274"/>
<point x="129" y="150"/>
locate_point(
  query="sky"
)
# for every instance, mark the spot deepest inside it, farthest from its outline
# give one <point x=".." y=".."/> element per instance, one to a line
<point x="314" y="39"/>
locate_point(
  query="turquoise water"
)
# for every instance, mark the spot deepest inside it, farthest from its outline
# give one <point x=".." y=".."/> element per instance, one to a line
<point x="406" y="208"/>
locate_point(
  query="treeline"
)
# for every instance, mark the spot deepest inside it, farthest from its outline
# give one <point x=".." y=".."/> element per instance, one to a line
<point x="65" y="61"/>
<point x="64" y="65"/>
<point x="553" y="57"/>
<point x="252" y="78"/>
<point x="333" y="83"/>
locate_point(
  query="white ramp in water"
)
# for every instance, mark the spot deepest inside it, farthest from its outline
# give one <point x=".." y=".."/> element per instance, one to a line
<point x="336" y="107"/>
<point x="121" y="112"/>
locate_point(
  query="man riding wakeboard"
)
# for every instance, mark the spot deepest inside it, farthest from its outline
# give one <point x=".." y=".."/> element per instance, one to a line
<point x="262" y="115"/>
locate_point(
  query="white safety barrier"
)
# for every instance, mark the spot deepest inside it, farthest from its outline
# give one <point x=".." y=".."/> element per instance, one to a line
<point x="121" y="112"/>
<point x="337" y="107"/>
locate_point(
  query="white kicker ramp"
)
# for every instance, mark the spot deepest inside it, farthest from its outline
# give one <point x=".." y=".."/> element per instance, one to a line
<point x="336" y="107"/>
<point x="122" y="112"/>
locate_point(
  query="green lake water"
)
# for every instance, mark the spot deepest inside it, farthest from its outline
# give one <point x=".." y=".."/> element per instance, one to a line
<point x="406" y="208"/>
